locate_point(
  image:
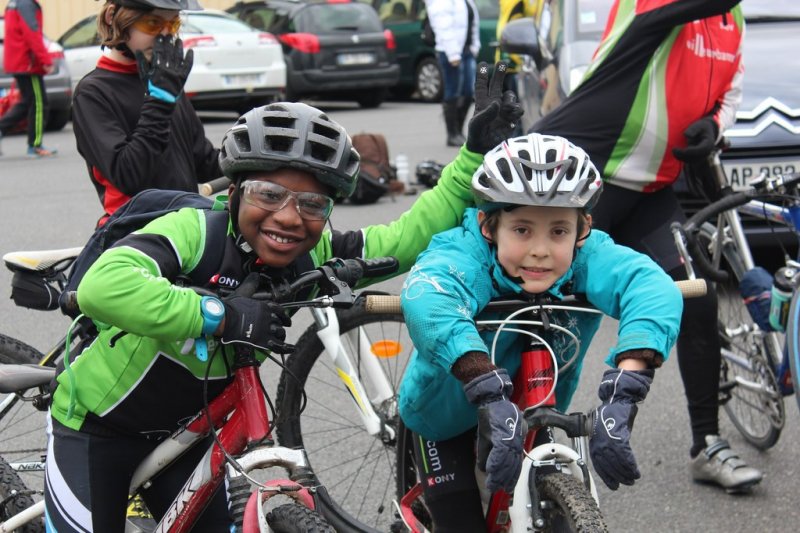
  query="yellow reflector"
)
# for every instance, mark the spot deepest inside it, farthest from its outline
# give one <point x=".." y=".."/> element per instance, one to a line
<point x="386" y="348"/>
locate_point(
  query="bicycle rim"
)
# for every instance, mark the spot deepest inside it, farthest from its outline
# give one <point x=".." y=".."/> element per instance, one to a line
<point x="357" y="469"/>
<point x="748" y="388"/>
<point x="23" y="438"/>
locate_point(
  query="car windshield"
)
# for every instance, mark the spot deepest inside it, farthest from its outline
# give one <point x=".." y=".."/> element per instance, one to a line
<point x="332" y="18"/>
<point x="206" y="24"/>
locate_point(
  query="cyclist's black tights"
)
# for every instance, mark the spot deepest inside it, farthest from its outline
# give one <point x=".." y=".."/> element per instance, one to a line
<point x="447" y="471"/>
<point x="87" y="479"/>
<point x="642" y="222"/>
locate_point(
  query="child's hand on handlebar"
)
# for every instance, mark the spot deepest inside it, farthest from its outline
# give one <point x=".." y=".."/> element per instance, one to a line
<point x="256" y="323"/>
<point x="610" y="447"/>
<point x="500" y="429"/>
<point x="496" y="112"/>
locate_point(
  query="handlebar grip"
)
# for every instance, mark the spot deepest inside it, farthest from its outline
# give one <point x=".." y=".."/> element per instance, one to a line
<point x="692" y="288"/>
<point x="210" y="187"/>
<point x="382" y="303"/>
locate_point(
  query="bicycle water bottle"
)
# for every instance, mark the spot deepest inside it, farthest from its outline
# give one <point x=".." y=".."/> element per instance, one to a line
<point x="781" y="298"/>
<point x="401" y="164"/>
<point x="536" y="375"/>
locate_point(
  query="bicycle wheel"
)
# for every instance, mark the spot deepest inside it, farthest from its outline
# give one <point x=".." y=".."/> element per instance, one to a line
<point x="568" y="506"/>
<point x="748" y="389"/>
<point x="357" y="469"/>
<point x="15" y="497"/>
<point x="22" y="427"/>
<point x="295" y="518"/>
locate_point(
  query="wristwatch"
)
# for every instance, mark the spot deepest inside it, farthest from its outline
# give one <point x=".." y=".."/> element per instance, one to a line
<point x="213" y="312"/>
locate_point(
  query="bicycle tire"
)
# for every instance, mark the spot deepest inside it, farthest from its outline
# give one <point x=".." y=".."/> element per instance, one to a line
<point x="568" y="506"/>
<point x="793" y="343"/>
<point x="296" y="518"/>
<point x="357" y="469"/>
<point x="16" y="497"/>
<point x="22" y="427"/>
<point x="746" y="358"/>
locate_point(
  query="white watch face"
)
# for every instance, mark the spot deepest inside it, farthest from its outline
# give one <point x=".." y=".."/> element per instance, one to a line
<point x="214" y="307"/>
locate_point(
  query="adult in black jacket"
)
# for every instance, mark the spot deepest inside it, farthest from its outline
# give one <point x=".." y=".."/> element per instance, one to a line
<point x="133" y="124"/>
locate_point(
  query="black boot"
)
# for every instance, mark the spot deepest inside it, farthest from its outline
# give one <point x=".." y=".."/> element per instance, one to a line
<point x="454" y="136"/>
<point x="463" y="103"/>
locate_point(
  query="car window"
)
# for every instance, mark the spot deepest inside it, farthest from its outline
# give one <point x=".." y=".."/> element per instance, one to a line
<point x="81" y="35"/>
<point x="395" y="10"/>
<point x="333" y="18"/>
<point x="770" y="9"/>
<point x="196" y="23"/>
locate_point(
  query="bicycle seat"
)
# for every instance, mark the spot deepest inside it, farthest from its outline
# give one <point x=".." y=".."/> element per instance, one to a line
<point x="42" y="260"/>
<point x="16" y="378"/>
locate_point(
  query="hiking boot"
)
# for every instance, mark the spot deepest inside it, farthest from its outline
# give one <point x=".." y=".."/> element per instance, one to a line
<point x="718" y="464"/>
<point x="40" y="151"/>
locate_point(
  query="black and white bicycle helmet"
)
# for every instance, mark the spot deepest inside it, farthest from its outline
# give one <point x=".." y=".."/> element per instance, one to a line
<point x="293" y="135"/>
<point x="537" y="169"/>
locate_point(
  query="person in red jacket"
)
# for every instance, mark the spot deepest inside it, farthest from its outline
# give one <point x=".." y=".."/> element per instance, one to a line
<point x="25" y="56"/>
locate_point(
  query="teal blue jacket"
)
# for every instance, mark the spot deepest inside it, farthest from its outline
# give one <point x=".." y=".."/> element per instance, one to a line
<point x="457" y="276"/>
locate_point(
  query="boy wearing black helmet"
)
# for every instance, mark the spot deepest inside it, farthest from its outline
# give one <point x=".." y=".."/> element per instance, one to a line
<point x="287" y="161"/>
<point x="531" y="234"/>
<point x="133" y="125"/>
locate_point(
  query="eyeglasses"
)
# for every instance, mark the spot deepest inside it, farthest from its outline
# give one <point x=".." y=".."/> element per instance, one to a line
<point x="274" y="197"/>
<point x="153" y="25"/>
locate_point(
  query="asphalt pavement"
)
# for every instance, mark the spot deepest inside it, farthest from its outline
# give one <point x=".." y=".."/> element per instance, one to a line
<point x="50" y="203"/>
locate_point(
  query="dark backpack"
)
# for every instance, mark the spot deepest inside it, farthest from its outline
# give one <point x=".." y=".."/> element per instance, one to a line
<point x="377" y="176"/>
<point x="135" y="214"/>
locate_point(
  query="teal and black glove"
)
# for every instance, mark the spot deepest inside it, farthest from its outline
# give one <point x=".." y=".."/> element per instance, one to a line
<point x="166" y="72"/>
<point x="496" y="112"/>
<point x="500" y="429"/>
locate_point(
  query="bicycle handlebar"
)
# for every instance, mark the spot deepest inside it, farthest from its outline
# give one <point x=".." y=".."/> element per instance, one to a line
<point x="390" y="303"/>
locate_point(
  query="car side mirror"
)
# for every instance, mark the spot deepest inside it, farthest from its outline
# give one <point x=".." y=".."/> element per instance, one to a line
<point x="520" y="37"/>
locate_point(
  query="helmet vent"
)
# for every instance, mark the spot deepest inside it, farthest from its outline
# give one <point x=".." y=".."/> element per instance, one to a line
<point x="325" y="131"/>
<point x="527" y="170"/>
<point x="242" y="140"/>
<point x="573" y="167"/>
<point x="505" y="170"/>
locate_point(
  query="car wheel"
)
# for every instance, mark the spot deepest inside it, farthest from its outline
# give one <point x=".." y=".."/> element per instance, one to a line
<point x="57" y="119"/>
<point x="428" y="80"/>
<point x="372" y="98"/>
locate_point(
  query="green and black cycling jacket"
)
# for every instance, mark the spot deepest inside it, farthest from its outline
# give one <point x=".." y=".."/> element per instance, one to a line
<point x="148" y="381"/>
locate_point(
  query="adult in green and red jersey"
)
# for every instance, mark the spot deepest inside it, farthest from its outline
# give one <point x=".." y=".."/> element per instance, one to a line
<point x="664" y="84"/>
<point x="25" y="56"/>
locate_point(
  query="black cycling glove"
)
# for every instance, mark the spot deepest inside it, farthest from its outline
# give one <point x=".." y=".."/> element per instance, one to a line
<point x="701" y="138"/>
<point x="610" y="445"/>
<point x="496" y="112"/>
<point x="166" y="72"/>
<point x="500" y="429"/>
<point x="256" y="323"/>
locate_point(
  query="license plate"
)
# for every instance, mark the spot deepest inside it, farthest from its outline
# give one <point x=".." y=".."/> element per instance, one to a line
<point x="355" y="59"/>
<point x="243" y="80"/>
<point x="741" y="172"/>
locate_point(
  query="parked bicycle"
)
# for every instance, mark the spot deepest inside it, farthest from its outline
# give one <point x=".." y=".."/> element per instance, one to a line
<point x="343" y="447"/>
<point x="760" y="364"/>
<point x="243" y="443"/>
